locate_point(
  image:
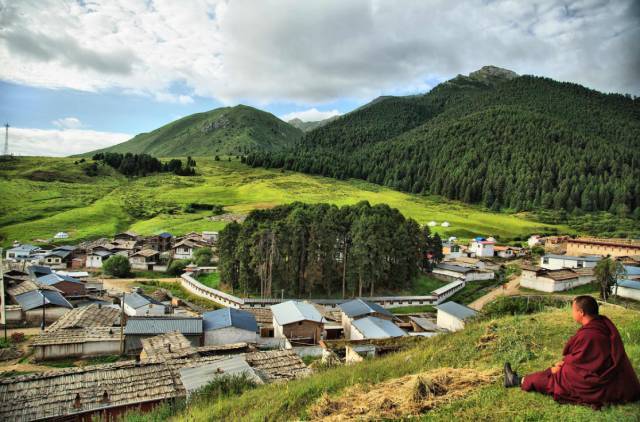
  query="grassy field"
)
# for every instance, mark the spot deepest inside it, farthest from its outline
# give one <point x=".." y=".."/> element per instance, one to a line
<point x="530" y="343"/>
<point x="42" y="196"/>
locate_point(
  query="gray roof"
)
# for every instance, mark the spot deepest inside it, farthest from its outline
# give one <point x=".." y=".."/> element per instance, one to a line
<point x="101" y="253"/>
<point x="590" y="258"/>
<point x="59" y="252"/>
<point x="26" y="248"/>
<point x="457" y="310"/>
<point x="35" y="298"/>
<point x="202" y="374"/>
<point x="34" y="270"/>
<point x="161" y="325"/>
<point x="65" y="248"/>
<point x="629" y="284"/>
<point x="374" y="327"/>
<point x="359" y="307"/>
<point x="229" y="317"/>
<point x="136" y="300"/>
<point x="455" y="268"/>
<point x="51" y="279"/>
<point x="447" y="287"/>
<point x="292" y="311"/>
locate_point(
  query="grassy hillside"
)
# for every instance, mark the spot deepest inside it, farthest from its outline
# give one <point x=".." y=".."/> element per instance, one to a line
<point x="507" y="142"/>
<point x="308" y="126"/>
<point x="227" y="130"/>
<point x="101" y="206"/>
<point x="531" y="343"/>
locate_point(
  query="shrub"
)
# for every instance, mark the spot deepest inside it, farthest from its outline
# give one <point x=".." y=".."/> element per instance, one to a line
<point x="17" y="337"/>
<point x="177" y="267"/>
<point x="117" y="266"/>
<point x="203" y="256"/>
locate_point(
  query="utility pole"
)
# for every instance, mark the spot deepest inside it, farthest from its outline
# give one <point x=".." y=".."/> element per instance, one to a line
<point x="6" y="139"/>
<point x="122" y="325"/>
<point x="43" y="306"/>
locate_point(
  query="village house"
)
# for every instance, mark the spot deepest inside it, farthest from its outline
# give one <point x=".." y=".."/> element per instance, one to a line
<point x="161" y="242"/>
<point x="123" y="247"/>
<point x="144" y="259"/>
<point x="77" y="343"/>
<point x="210" y="237"/>
<point x="57" y="259"/>
<point x="465" y="261"/>
<point x="604" y="247"/>
<point x="452" y="272"/>
<point x="556" y="262"/>
<point x="185" y="249"/>
<point x="508" y="252"/>
<point x="139" y="328"/>
<point x="451" y="249"/>
<point x="41" y="303"/>
<point x="481" y="247"/>
<point x="372" y="327"/>
<point x="68" y="286"/>
<point x="127" y="236"/>
<point x="299" y="322"/>
<point x="358" y="308"/>
<point x="448" y="290"/>
<point x="556" y="280"/>
<point x="229" y="325"/>
<point x="452" y="315"/>
<point x="96" y="258"/>
<point x="629" y="289"/>
<point x="173" y="345"/>
<point x="36" y="271"/>
<point x="535" y="240"/>
<point x="22" y="252"/>
<point x="137" y="304"/>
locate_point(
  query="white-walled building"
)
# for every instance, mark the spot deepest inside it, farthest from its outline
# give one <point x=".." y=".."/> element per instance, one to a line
<point x="556" y="262"/>
<point x="374" y="328"/>
<point x="481" y="247"/>
<point x="452" y="315"/>
<point x="557" y="280"/>
<point x="96" y="258"/>
<point x="451" y="272"/>
<point x="136" y="304"/>
<point x="357" y="309"/>
<point x="228" y="326"/>
<point x="629" y="289"/>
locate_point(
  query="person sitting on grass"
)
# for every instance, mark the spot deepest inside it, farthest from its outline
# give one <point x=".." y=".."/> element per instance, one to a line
<point x="595" y="369"/>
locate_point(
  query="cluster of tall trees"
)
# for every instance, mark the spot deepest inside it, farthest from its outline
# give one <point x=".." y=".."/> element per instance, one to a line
<point x="524" y="144"/>
<point x="306" y="249"/>
<point x="142" y="164"/>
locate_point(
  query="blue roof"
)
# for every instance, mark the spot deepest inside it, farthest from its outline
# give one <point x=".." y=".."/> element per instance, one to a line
<point x="292" y="311"/>
<point x="229" y="317"/>
<point x="374" y="327"/>
<point x="456" y="310"/>
<point x="162" y="325"/>
<point x="165" y="235"/>
<point x="359" y="307"/>
<point x="629" y="284"/>
<point x="51" y="279"/>
<point x="632" y="270"/>
<point x="35" y="298"/>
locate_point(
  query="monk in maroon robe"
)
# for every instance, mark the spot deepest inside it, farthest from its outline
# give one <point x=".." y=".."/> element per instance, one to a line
<point x="595" y="369"/>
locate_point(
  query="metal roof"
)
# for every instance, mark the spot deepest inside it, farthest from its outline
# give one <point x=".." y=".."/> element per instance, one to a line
<point x="165" y="235"/>
<point x="374" y="327"/>
<point x="292" y="311"/>
<point x="591" y="258"/>
<point x="358" y="307"/>
<point x="136" y="300"/>
<point x="456" y="310"/>
<point x="34" y="270"/>
<point x="629" y="284"/>
<point x="447" y="287"/>
<point x="51" y="279"/>
<point x="229" y="317"/>
<point x="35" y="298"/>
<point x="101" y="253"/>
<point x="199" y="376"/>
<point x="161" y="325"/>
<point x="632" y="270"/>
<point x="455" y="268"/>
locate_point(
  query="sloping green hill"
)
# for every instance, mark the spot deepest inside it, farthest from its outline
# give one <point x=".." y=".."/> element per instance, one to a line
<point x="308" y="126"/>
<point x="226" y="131"/>
<point x="506" y="141"/>
<point x="530" y="343"/>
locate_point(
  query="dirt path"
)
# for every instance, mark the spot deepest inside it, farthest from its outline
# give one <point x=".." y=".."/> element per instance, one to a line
<point x="512" y="288"/>
<point x="126" y="284"/>
<point x="27" y="331"/>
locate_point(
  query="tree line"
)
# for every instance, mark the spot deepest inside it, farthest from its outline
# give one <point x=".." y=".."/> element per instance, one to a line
<point x="142" y="164"/>
<point x="320" y="249"/>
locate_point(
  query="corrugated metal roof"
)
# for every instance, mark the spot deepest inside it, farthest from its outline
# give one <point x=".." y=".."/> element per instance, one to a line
<point x="229" y="317"/>
<point x="136" y="300"/>
<point x="161" y="325"/>
<point x="455" y="268"/>
<point x="632" y="270"/>
<point x="574" y="258"/>
<point x="447" y="287"/>
<point x="292" y="311"/>
<point x="36" y="270"/>
<point x="51" y="279"/>
<point x="35" y="298"/>
<point x="457" y="310"/>
<point x="199" y="376"/>
<point x="630" y="284"/>
<point x="359" y="307"/>
<point x="374" y="327"/>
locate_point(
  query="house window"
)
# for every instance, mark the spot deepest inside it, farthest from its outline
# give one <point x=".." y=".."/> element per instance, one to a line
<point x="580" y="264"/>
<point x="545" y="260"/>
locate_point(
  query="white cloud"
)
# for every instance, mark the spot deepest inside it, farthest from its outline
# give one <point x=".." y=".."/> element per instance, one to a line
<point x="58" y="143"/>
<point x="310" y="115"/>
<point x="311" y="52"/>
<point x="68" y="123"/>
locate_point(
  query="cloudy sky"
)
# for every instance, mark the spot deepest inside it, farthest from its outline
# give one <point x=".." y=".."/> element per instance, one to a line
<point x="79" y="75"/>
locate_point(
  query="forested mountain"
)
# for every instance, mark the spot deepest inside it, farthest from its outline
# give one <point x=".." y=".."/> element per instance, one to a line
<point x="495" y="138"/>
<point x="228" y="130"/>
<point x="308" y="126"/>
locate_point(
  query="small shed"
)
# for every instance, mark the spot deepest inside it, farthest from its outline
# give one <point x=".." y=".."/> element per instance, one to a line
<point x="32" y="302"/>
<point x="137" y="304"/>
<point x="144" y="259"/>
<point x="374" y="328"/>
<point x="139" y="328"/>
<point x="299" y="322"/>
<point x="452" y="315"/>
<point x="229" y="325"/>
<point x="77" y="342"/>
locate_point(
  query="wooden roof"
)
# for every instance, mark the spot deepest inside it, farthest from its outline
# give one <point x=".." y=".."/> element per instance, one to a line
<point x="277" y="365"/>
<point x="87" y="316"/>
<point x="76" y="335"/>
<point x="165" y="347"/>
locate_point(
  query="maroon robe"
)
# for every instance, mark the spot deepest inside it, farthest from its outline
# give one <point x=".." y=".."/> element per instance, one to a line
<point x="596" y="369"/>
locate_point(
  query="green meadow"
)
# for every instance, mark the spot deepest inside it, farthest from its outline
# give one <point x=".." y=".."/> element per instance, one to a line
<point x="43" y="196"/>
